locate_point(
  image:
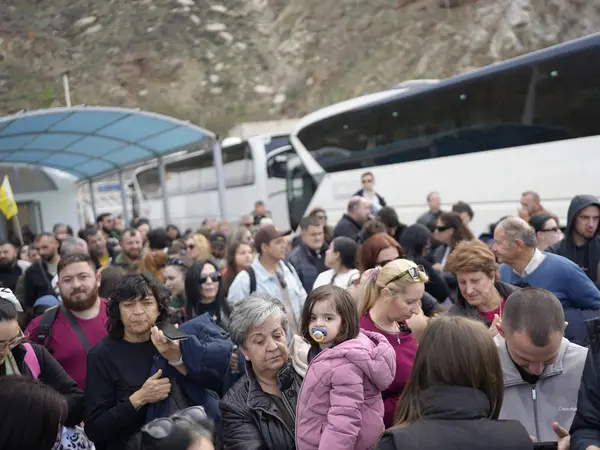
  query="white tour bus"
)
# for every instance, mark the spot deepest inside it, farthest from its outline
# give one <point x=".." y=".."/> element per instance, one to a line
<point x="530" y="123"/>
<point x="254" y="169"/>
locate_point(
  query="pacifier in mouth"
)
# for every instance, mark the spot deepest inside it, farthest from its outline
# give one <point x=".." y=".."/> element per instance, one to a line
<point x="318" y="334"/>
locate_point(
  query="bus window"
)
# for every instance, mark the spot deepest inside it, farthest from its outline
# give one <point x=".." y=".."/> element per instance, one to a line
<point x="277" y="163"/>
<point x="149" y="183"/>
<point x="568" y="94"/>
<point x="195" y="173"/>
<point x="301" y="188"/>
<point x="238" y="167"/>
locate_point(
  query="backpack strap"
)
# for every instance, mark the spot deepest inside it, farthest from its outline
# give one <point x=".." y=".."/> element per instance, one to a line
<point x="76" y="328"/>
<point x="252" y="276"/>
<point x="44" y="333"/>
<point x="32" y="361"/>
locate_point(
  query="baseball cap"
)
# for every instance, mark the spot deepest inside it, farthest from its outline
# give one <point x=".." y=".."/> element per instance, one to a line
<point x="46" y="300"/>
<point x="218" y="238"/>
<point x="267" y="234"/>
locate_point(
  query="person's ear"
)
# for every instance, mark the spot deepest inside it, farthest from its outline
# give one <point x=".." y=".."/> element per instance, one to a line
<point x="245" y="353"/>
<point x="566" y="324"/>
<point x="386" y="294"/>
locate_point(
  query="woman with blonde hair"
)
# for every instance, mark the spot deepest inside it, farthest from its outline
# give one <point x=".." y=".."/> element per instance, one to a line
<point x="454" y="394"/>
<point x="198" y="247"/>
<point x="392" y="295"/>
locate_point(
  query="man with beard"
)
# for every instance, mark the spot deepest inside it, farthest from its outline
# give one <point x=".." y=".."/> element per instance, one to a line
<point x="131" y="251"/>
<point x="70" y="330"/>
<point x="38" y="278"/>
<point x="11" y="268"/>
<point x="99" y="250"/>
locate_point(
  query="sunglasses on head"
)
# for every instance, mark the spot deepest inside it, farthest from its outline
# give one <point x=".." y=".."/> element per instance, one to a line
<point x="412" y="272"/>
<point x="163" y="427"/>
<point x="442" y="228"/>
<point x="215" y="276"/>
<point x="175" y="262"/>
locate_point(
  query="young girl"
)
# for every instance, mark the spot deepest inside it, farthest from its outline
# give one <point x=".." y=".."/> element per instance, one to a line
<point x="340" y="404"/>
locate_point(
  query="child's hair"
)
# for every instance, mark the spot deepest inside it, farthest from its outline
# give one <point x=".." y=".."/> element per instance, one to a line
<point x="343" y="304"/>
<point x="394" y="276"/>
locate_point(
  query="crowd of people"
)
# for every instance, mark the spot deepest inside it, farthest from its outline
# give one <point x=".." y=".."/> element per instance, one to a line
<point x="371" y="334"/>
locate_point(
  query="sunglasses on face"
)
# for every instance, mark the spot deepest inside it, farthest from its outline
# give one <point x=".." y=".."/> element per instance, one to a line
<point x="163" y="427"/>
<point x="412" y="272"/>
<point x="215" y="276"/>
<point x="442" y="228"/>
<point x="12" y="343"/>
<point x="553" y="230"/>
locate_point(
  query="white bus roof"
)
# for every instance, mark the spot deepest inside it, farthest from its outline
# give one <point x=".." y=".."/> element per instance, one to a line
<point x="357" y="102"/>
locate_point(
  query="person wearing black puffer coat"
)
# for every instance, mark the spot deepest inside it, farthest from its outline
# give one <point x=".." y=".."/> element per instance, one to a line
<point x="454" y="394"/>
<point x="585" y="430"/>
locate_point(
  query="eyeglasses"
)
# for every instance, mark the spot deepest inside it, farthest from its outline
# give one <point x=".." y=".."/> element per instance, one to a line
<point x="553" y="230"/>
<point x="12" y="343"/>
<point x="442" y="228"/>
<point x="413" y="272"/>
<point x="367" y="180"/>
<point x="163" y="427"/>
<point x="215" y="276"/>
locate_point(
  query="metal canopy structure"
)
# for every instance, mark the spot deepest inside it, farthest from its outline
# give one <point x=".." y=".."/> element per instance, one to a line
<point x="91" y="141"/>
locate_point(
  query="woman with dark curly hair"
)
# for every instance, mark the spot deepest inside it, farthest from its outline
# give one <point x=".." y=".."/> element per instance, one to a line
<point x="120" y="388"/>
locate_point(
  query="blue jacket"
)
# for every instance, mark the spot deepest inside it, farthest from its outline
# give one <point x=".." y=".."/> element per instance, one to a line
<point x="206" y="355"/>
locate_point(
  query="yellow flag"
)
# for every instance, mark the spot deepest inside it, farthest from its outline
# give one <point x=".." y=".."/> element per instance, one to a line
<point x="8" y="205"/>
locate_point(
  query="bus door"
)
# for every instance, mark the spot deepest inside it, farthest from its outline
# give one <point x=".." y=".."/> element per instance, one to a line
<point x="277" y="200"/>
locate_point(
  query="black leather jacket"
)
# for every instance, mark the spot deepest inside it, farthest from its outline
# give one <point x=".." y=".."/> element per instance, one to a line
<point x="251" y="420"/>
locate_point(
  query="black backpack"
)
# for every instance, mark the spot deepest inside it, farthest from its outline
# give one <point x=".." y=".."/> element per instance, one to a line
<point x="45" y="327"/>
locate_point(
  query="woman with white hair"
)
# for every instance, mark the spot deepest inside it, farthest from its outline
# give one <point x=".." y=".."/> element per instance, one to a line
<point x="259" y="411"/>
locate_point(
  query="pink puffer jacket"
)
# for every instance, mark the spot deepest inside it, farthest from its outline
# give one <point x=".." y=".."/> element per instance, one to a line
<point x="340" y="405"/>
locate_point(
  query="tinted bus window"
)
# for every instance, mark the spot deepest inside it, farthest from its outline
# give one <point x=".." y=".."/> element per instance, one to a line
<point x="529" y="104"/>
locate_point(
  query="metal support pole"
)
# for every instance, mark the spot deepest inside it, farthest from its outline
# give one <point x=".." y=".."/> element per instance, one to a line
<point x="93" y="200"/>
<point x="162" y="176"/>
<point x="218" y="163"/>
<point x="67" y="89"/>
<point x="124" y="198"/>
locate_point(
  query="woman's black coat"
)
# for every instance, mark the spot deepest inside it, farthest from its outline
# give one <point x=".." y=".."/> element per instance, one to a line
<point x="456" y="418"/>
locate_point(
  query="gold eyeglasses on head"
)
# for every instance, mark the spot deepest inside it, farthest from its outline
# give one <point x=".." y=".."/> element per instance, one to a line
<point x="412" y="272"/>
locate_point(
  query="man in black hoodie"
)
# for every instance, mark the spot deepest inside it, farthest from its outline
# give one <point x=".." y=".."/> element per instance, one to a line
<point x="581" y="243"/>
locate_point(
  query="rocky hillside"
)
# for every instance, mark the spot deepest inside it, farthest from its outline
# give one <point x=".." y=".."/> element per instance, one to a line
<point x="221" y="62"/>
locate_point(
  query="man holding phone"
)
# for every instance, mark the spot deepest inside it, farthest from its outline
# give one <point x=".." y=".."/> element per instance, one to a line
<point x="542" y="369"/>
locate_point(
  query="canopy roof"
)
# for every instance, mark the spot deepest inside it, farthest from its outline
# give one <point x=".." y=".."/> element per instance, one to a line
<point x="90" y="141"/>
